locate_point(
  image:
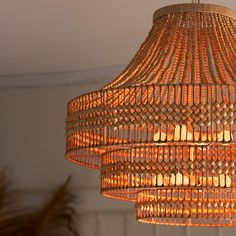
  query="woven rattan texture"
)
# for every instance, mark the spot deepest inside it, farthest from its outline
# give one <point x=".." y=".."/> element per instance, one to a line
<point x="163" y="132"/>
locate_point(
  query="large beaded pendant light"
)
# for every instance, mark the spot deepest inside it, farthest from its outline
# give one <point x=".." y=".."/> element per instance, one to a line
<point x="163" y="132"/>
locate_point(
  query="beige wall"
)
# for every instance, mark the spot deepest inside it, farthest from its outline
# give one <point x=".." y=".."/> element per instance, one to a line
<point x="59" y="35"/>
<point x="32" y="137"/>
<point x="32" y="146"/>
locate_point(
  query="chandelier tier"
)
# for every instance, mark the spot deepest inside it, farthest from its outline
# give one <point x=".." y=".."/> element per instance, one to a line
<point x="163" y="132"/>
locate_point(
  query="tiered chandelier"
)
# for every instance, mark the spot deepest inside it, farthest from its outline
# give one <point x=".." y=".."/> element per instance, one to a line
<point x="163" y="132"/>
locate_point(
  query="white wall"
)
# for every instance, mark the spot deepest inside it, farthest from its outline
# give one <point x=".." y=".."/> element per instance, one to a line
<point x="32" y="146"/>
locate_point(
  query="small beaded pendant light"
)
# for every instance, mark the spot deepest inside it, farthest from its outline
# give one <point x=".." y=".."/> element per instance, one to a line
<point x="163" y="133"/>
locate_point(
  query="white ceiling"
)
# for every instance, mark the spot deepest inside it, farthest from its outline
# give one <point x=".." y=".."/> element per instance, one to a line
<point x="58" y="36"/>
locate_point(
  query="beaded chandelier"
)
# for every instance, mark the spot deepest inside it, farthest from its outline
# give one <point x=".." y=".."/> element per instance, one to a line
<point x="163" y="132"/>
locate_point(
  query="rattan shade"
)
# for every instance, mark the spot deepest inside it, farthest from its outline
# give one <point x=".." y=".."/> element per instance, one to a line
<point x="163" y="132"/>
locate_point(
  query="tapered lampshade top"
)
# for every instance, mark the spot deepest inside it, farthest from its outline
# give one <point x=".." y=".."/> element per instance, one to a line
<point x="163" y="132"/>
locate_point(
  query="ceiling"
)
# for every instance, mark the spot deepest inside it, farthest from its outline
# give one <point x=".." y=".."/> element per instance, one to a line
<point x="63" y="36"/>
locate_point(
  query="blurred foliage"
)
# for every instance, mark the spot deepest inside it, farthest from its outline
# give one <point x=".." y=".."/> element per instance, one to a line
<point x="56" y="217"/>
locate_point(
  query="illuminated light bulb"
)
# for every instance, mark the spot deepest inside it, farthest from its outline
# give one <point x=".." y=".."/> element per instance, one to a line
<point x="159" y="136"/>
<point x="221" y="180"/>
<point x="172" y="179"/>
<point x="224" y="135"/>
<point x="181" y="133"/>
<point x="159" y="179"/>
<point x="181" y="179"/>
<point x="228" y="181"/>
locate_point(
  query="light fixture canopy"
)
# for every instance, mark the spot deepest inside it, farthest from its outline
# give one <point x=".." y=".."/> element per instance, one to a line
<point x="163" y="132"/>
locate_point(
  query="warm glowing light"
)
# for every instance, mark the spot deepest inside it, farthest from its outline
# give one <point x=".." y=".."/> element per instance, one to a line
<point x="163" y="132"/>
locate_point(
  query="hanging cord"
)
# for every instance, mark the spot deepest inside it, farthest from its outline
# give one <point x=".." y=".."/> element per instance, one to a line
<point x="195" y="1"/>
